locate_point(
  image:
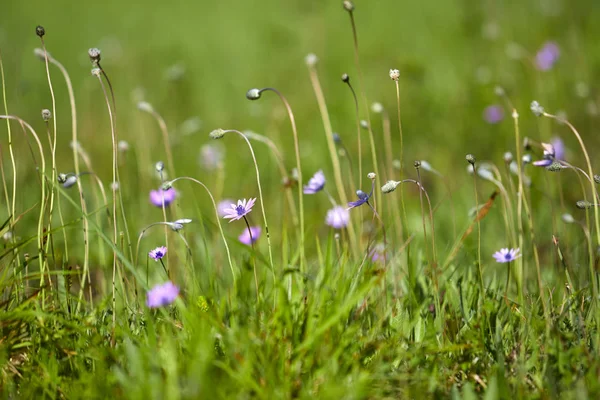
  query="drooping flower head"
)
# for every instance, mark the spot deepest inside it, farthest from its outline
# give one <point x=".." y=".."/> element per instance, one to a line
<point x="547" y="56"/>
<point x="362" y="197"/>
<point x="162" y="295"/>
<point x="223" y="205"/>
<point x="493" y="114"/>
<point x="507" y="255"/>
<point x="316" y="183"/>
<point x="337" y="217"/>
<point x="158" y="253"/>
<point x="245" y="236"/>
<point x="553" y="152"/>
<point x="158" y="196"/>
<point x="235" y="212"/>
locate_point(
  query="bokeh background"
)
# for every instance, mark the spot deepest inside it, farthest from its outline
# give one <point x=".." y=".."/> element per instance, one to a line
<point x="198" y="59"/>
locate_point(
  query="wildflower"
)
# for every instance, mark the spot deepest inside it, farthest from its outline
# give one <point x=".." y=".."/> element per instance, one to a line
<point x="211" y="157"/>
<point x="337" y="217"/>
<point x="559" y="149"/>
<point x="240" y="210"/>
<point x="362" y="198"/>
<point x="547" y="56"/>
<point x="506" y="255"/>
<point x="316" y="183"/>
<point x="222" y="206"/>
<point x="245" y="236"/>
<point x="160" y="196"/>
<point x="158" y="253"/>
<point x="493" y="114"/>
<point x="162" y="295"/>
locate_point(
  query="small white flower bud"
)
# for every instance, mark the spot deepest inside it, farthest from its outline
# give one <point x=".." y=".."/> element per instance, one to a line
<point x="394" y="74"/>
<point x="536" y="109"/>
<point x="371" y="175"/>
<point x="123" y="146"/>
<point x="217" y="134"/>
<point x="253" y="94"/>
<point x="568" y="218"/>
<point x="390" y="186"/>
<point x="70" y="181"/>
<point x="46" y="115"/>
<point x="96" y="72"/>
<point x="377" y="108"/>
<point x="508" y="157"/>
<point x="159" y="166"/>
<point x="311" y="60"/>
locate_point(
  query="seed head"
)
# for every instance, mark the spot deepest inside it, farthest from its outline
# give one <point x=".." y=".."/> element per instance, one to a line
<point x="508" y="157"/>
<point x="417" y="164"/>
<point x="555" y="167"/>
<point x="96" y="72"/>
<point x="390" y="186"/>
<point x="371" y="175"/>
<point x="311" y="59"/>
<point x="159" y="166"/>
<point x="253" y="94"/>
<point x="536" y="109"/>
<point x="597" y="179"/>
<point x="348" y="5"/>
<point x="470" y="159"/>
<point x="94" y="54"/>
<point x="46" y="115"/>
<point x="345" y="78"/>
<point x="394" y="74"/>
<point x="217" y="134"/>
<point x="40" y="31"/>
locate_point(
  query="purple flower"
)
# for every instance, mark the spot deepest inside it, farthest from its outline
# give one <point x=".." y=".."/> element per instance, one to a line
<point x="559" y="149"/>
<point x="493" y="114"/>
<point x="158" y="253"/>
<point x="337" y="217"/>
<point x="162" y="295"/>
<point x="362" y="197"/>
<point x="245" y="236"/>
<point x="222" y="206"/>
<point x="235" y="212"/>
<point x="547" y="56"/>
<point x="316" y="183"/>
<point x="158" y="196"/>
<point x="506" y="255"/>
<point x="211" y="157"/>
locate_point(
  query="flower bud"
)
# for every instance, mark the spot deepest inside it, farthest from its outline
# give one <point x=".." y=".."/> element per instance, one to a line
<point x="417" y="163"/>
<point x="159" y="166"/>
<point x="46" y="115"/>
<point x="145" y="106"/>
<point x="470" y="159"/>
<point x="311" y="60"/>
<point x="70" y="181"/>
<point x="348" y="5"/>
<point x="371" y="175"/>
<point x="390" y="186"/>
<point x="597" y="179"/>
<point x="94" y="54"/>
<point x="40" y="31"/>
<point x="217" y="134"/>
<point x="377" y="108"/>
<point x="253" y="94"/>
<point x="345" y="78"/>
<point x="583" y="204"/>
<point x="568" y="218"/>
<point x="394" y="74"/>
<point x="555" y="167"/>
<point x="536" y="109"/>
<point x="364" y="124"/>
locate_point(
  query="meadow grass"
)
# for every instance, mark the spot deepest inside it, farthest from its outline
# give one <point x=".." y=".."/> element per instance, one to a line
<point x="343" y="273"/>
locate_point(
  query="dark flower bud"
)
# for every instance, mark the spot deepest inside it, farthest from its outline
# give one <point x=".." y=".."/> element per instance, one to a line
<point x="345" y="78"/>
<point x="40" y="31"/>
<point x="417" y="164"/>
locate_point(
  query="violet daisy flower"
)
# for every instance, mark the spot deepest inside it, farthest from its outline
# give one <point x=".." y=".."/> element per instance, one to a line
<point x="235" y="212"/>
<point x="337" y="217"/>
<point x="158" y="196"/>
<point x="547" y="56"/>
<point x="158" y="253"/>
<point x="493" y="114"/>
<point x="223" y="205"/>
<point x="549" y="156"/>
<point x="162" y="295"/>
<point x="316" y="183"/>
<point x="506" y="255"/>
<point x="245" y="236"/>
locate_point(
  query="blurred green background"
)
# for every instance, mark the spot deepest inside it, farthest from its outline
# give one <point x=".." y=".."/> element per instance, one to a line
<point x="197" y="59"/>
